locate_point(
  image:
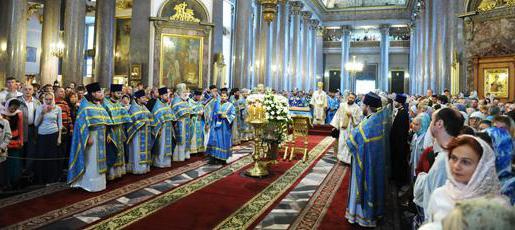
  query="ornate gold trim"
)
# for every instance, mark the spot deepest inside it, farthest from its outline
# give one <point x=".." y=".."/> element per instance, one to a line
<point x="184" y="14"/>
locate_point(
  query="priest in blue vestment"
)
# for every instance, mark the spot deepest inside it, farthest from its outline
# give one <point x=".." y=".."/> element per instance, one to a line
<point x="162" y="131"/>
<point x="116" y="136"/>
<point x="366" y="144"/>
<point x="87" y="164"/>
<point x="220" y="137"/>
<point x="139" y="135"/>
<point x="198" y="123"/>
<point x="332" y="106"/>
<point x="211" y="99"/>
<point x="181" y="111"/>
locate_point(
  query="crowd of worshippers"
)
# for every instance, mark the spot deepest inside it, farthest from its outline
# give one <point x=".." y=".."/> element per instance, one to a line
<point x="451" y="158"/>
<point x="87" y="135"/>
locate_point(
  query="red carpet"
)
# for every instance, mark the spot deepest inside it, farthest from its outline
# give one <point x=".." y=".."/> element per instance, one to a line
<point x="335" y="216"/>
<point x="209" y="206"/>
<point x="41" y="205"/>
<point x="321" y="130"/>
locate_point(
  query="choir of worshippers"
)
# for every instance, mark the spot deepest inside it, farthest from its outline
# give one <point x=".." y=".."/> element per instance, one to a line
<point x="440" y="151"/>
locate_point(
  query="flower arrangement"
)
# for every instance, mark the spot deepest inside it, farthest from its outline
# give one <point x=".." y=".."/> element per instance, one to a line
<point x="276" y="114"/>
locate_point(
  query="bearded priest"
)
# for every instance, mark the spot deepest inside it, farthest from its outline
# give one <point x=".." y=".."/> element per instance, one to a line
<point x="319" y="103"/>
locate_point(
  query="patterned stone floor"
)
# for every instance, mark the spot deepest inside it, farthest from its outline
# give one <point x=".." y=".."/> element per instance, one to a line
<point x="82" y="219"/>
<point x="285" y="213"/>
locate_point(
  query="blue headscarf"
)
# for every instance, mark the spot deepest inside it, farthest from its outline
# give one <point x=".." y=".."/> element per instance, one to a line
<point x="425" y="120"/>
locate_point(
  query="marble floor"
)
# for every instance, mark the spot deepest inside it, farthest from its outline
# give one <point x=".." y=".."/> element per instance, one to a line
<point x="285" y="213"/>
<point x="89" y="216"/>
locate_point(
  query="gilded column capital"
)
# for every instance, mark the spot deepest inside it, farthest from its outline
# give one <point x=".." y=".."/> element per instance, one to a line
<point x="296" y="6"/>
<point x="306" y="15"/>
<point x="283" y="2"/>
<point x="346" y="29"/>
<point x="384" y="28"/>
<point x="313" y="24"/>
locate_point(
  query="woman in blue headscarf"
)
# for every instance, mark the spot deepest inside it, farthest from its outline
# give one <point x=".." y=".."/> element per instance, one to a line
<point x="419" y="125"/>
<point x="503" y="148"/>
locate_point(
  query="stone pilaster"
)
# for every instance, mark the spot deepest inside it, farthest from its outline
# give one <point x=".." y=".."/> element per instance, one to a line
<point x="13" y="39"/>
<point x="345" y="81"/>
<point x="51" y="21"/>
<point x="295" y="60"/>
<point x="139" y="50"/>
<point x="312" y="61"/>
<point x="74" y="29"/>
<point x="384" y="81"/>
<point x="305" y="47"/>
<point x="104" y="42"/>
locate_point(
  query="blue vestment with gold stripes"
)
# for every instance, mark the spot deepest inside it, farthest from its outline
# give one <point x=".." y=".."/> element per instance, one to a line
<point x="181" y="111"/>
<point x="89" y="116"/>
<point x="197" y="127"/>
<point x="139" y="139"/>
<point x="366" y="197"/>
<point x="162" y="131"/>
<point x="219" y="144"/>
<point x="116" y="136"/>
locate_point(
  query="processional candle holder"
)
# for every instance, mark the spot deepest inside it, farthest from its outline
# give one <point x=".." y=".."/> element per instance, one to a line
<point x="257" y="119"/>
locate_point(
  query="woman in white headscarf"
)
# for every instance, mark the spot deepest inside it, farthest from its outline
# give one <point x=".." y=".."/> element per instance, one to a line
<point x="470" y="174"/>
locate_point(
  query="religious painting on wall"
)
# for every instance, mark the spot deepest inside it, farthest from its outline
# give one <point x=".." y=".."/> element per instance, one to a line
<point x="31" y="54"/>
<point x="122" y="46"/>
<point x="181" y="60"/>
<point x="496" y="82"/>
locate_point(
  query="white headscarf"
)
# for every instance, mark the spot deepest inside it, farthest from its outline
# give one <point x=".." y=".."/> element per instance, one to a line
<point x="484" y="180"/>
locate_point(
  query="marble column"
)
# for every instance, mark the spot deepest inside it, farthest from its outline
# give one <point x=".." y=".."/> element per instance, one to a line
<point x="312" y="62"/>
<point x="272" y="79"/>
<point x="74" y="29"/>
<point x="295" y="81"/>
<point x="282" y="44"/>
<point x="241" y="44"/>
<point x="384" y="80"/>
<point x="104" y="42"/>
<point x="139" y="50"/>
<point x="319" y="57"/>
<point x="253" y="30"/>
<point x="412" y="60"/>
<point x="305" y="47"/>
<point x="345" y="81"/>
<point x="13" y="39"/>
<point x="51" y="21"/>
<point x="217" y="36"/>
<point x="265" y="45"/>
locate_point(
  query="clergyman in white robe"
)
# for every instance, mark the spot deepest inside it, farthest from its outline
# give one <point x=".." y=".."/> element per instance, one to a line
<point x="319" y="103"/>
<point x="346" y="118"/>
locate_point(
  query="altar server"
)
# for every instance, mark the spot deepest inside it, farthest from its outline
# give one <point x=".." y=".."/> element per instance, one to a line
<point x="139" y="135"/>
<point x="162" y="131"/>
<point x="219" y="145"/>
<point x="198" y="123"/>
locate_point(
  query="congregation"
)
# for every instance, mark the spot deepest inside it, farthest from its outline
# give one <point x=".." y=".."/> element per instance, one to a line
<point x="439" y="150"/>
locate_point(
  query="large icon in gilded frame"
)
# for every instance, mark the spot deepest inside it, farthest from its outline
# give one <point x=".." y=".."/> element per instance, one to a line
<point x="181" y="60"/>
<point x="496" y="82"/>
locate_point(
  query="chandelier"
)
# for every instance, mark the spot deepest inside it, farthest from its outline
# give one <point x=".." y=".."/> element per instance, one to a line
<point x="57" y="49"/>
<point x="354" y="66"/>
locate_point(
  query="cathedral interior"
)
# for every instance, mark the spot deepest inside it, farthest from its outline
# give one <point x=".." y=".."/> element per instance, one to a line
<point x="401" y="47"/>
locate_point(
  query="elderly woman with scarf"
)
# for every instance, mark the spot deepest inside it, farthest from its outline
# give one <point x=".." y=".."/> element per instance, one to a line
<point x="420" y="125"/>
<point x="14" y="163"/>
<point x="470" y="174"/>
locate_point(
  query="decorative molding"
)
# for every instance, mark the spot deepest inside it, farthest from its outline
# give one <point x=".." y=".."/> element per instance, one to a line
<point x="306" y="15"/>
<point x="183" y="14"/>
<point x="296" y="7"/>
<point x="124" y="4"/>
<point x="34" y="8"/>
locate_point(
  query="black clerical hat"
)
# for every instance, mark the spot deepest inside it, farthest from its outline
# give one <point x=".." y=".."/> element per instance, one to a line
<point x="116" y="87"/>
<point x="93" y="87"/>
<point x="163" y="91"/>
<point x="401" y="98"/>
<point x="372" y="100"/>
<point x="139" y="93"/>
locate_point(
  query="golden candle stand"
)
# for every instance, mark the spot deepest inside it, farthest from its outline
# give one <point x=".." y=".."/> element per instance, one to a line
<point x="261" y="154"/>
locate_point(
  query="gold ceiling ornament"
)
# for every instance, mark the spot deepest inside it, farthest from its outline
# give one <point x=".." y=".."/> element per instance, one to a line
<point x="183" y="14"/>
<point x="123" y="4"/>
<point x="269" y="9"/>
<point x="510" y="2"/>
